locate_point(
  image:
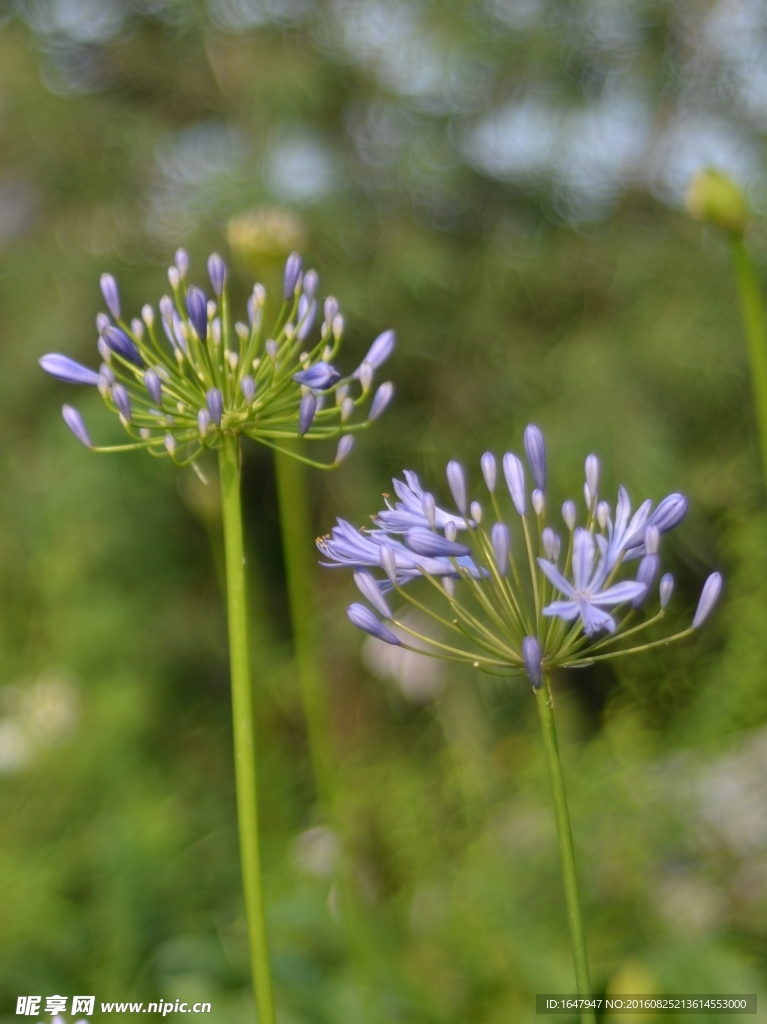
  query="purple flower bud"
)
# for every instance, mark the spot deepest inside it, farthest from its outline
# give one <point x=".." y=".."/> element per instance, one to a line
<point x="215" y="401"/>
<point x="106" y="375"/>
<point x="651" y="539"/>
<point x="501" y="540"/>
<point x="174" y="277"/>
<point x="122" y="401"/>
<point x="712" y="588"/>
<point x="330" y="309"/>
<point x="364" y="619"/>
<point x="306" y="319"/>
<point x="121" y="344"/>
<point x="306" y="411"/>
<point x="104" y="350"/>
<point x="538" y="502"/>
<point x="292" y="273"/>
<point x="669" y="513"/>
<point x="488" y="470"/>
<point x="666" y="589"/>
<point x="182" y="261"/>
<point x="272" y="348"/>
<point x="365" y="374"/>
<point x="147" y="315"/>
<point x="137" y="326"/>
<point x="381" y="399"/>
<point x="551" y="544"/>
<point x="66" y="369"/>
<point x="203" y="421"/>
<point x="153" y="384"/>
<point x="592" y="475"/>
<point x="217" y="273"/>
<point x="102" y="321"/>
<point x="170" y="444"/>
<point x="514" y="472"/>
<point x="535" y="449"/>
<point x="457" y="483"/>
<point x="369" y="589"/>
<point x="381" y="349"/>
<point x="429" y="508"/>
<point x="321" y="376"/>
<point x="646" y="573"/>
<point x="76" y="424"/>
<point x="531" y="654"/>
<point x="431" y="545"/>
<point x="197" y="308"/>
<point x="388" y="562"/>
<point x="167" y="308"/>
<point x="569" y="514"/>
<point x="603" y="514"/>
<point x="111" y="295"/>
<point x="345" y="445"/>
<point x="476" y="511"/>
<point x="311" y="280"/>
<point x="248" y="388"/>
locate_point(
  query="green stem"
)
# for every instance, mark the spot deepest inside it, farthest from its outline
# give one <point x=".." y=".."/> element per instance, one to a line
<point x="244" y="734"/>
<point x="296" y="525"/>
<point x="566" y="853"/>
<point x="753" y="318"/>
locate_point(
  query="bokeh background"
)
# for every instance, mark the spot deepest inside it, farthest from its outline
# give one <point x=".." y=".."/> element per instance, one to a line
<point x="502" y="182"/>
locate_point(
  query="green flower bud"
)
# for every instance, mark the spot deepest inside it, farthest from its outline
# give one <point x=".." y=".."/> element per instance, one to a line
<point x="714" y="198"/>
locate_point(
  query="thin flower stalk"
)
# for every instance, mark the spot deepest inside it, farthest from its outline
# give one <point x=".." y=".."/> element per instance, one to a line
<point x="565" y="613"/>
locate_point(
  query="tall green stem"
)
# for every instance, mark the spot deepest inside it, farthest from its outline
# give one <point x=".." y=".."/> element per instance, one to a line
<point x="296" y="526"/>
<point x="244" y="734"/>
<point x="566" y="853"/>
<point x="754" y="322"/>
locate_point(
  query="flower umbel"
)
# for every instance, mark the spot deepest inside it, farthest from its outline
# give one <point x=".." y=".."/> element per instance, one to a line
<point x="506" y="621"/>
<point x="182" y="380"/>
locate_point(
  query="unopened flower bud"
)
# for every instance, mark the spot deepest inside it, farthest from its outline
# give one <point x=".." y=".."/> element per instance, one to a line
<point x="174" y="277"/>
<point x="457" y="483"/>
<point x="76" y="424"/>
<point x="102" y="321"/>
<point x="712" y="588"/>
<point x="666" y="589"/>
<point x="487" y="463"/>
<point x="714" y="198"/>
<point x="592" y="475"/>
<point x="388" y="562"/>
<point x="203" y="422"/>
<point x="450" y="530"/>
<point x="429" y="507"/>
<point x="170" y="444"/>
<point x="368" y="587"/>
<point x="651" y="539"/>
<point x="476" y="511"/>
<point x="569" y="514"/>
<point x="603" y="514"/>
<point x="366" y="376"/>
<point x="147" y="315"/>
<point x="306" y="411"/>
<point x="347" y="409"/>
<point x="551" y="544"/>
<point x="111" y="295"/>
<point x="514" y="472"/>
<point x="216" y="273"/>
<point x="535" y="449"/>
<point x="248" y="388"/>
<point x="531" y="655"/>
<point x="330" y="309"/>
<point x="501" y="541"/>
<point x="182" y="262"/>
<point x="345" y="445"/>
<point x="538" y="501"/>
<point x="381" y="399"/>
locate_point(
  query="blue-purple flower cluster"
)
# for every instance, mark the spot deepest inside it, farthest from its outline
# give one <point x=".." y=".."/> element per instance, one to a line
<point x="181" y="378"/>
<point x="529" y="601"/>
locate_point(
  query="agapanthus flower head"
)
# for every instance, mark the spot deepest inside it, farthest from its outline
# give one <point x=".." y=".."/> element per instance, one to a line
<point x="182" y="380"/>
<point x="512" y="603"/>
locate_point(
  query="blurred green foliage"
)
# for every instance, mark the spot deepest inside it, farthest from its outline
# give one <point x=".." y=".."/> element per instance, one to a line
<point x="608" y="318"/>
